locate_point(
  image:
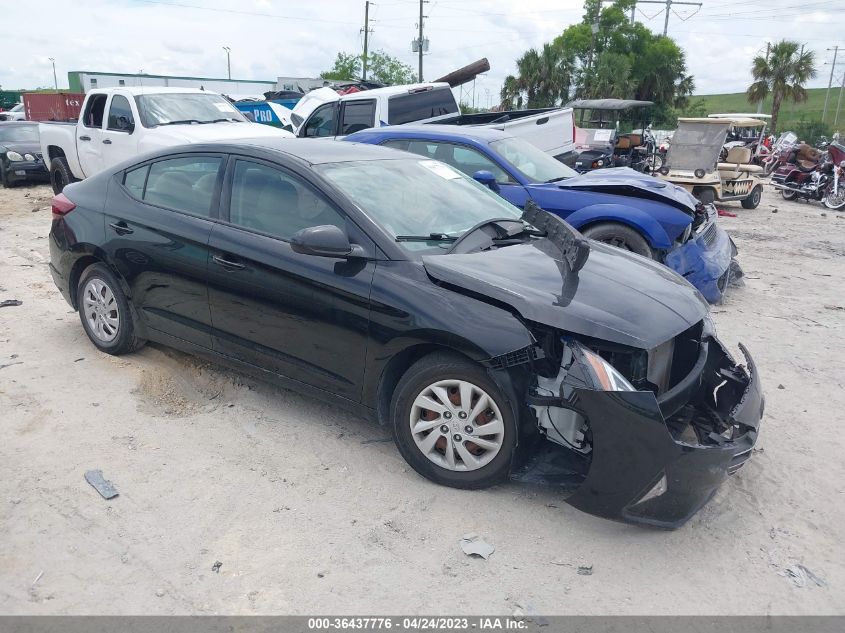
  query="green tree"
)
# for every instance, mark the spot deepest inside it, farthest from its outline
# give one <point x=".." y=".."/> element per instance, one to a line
<point x="381" y="67"/>
<point x="346" y="68"/>
<point x="619" y="60"/>
<point x="783" y="75"/>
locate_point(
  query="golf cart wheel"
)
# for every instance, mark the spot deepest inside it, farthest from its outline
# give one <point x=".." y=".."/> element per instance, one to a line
<point x="452" y="424"/>
<point x="788" y="195"/>
<point x="753" y="199"/>
<point x="620" y="236"/>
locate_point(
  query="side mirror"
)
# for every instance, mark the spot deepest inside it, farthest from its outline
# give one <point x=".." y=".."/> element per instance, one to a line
<point x="487" y="179"/>
<point x="324" y="241"/>
<point x="125" y="124"/>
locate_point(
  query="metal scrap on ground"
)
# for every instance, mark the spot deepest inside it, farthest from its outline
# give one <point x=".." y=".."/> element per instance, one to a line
<point x="102" y="485"/>
<point x="472" y="545"/>
<point x="10" y="302"/>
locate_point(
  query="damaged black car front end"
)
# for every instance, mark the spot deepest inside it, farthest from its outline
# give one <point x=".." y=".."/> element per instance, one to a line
<point x="631" y="400"/>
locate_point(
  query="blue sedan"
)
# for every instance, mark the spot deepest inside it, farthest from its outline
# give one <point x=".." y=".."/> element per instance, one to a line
<point x="621" y="207"/>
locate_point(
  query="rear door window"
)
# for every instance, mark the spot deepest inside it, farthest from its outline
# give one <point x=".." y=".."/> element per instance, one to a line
<point x="135" y="180"/>
<point x="184" y="184"/>
<point x="465" y="159"/>
<point x="357" y="116"/>
<point x="420" y="105"/>
<point x="94" y="111"/>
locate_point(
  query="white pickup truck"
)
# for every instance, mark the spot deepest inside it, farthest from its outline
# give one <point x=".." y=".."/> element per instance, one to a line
<point x="326" y="113"/>
<point x="117" y="124"/>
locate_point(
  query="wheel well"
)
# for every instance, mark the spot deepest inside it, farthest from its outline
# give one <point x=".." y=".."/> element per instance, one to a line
<point x="75" y="273"/>
<point x="396" y="368"/>
<point x="593" y="223"/>
<point x="54" y="151"/>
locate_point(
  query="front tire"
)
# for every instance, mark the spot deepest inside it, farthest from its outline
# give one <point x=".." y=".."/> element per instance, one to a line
<point x="105" y="312"/>
<point x="753" y="200"/>
<point x="620" y="236"/>
<point x="452" y="424"/>
<point x="60" y="174"/>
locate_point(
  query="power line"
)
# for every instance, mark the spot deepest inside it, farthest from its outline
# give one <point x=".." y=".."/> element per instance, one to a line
<point x="668" y="8"/>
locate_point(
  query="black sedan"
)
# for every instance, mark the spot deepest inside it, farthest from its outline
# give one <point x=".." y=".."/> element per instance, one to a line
<point x="493" y="342"/>
<point x="20" y="153"/>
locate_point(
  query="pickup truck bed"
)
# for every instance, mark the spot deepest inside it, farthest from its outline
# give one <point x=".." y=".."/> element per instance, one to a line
<point x="550" y="129"/>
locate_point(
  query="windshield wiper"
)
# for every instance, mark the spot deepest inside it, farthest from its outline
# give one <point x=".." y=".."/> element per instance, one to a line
<point x="558" y="179"/>
<point x="222" y="120"/>
<point x="182" y="121"/>
<point x="431" y="237"/>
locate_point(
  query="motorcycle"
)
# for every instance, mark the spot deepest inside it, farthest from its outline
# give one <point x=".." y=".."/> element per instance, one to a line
<point x="824" y="183"/>
<point x="779" y="153"/>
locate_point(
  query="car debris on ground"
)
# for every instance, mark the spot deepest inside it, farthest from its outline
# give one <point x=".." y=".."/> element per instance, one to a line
<point x="101" y="484"/>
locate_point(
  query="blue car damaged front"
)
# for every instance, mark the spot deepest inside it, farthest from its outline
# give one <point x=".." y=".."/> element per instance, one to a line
<point x="669" y="224"/>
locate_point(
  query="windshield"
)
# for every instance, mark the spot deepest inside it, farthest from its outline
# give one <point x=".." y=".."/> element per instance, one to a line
<point x="531" y="161"/>
<point x="417" y="197"/>
<point x="18" y="133"/>
<point x="161" y="109"/>
<point x="696" y="146"/>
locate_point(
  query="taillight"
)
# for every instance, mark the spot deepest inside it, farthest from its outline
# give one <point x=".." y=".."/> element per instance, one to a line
<point x="61" y="206"/>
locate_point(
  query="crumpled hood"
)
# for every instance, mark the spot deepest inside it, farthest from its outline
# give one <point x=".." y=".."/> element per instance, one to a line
<point x="168" y="135"/>
<point x="617" y="296"/>
<point x="626" y="181"/>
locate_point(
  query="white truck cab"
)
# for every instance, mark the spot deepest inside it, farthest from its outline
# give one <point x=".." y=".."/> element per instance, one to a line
<point x="324" y="112"/>
<point x="117" y="124"/>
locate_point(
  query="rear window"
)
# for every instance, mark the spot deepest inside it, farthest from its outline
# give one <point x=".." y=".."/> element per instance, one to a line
<point x="183" y="184"/>
<point x="420" y="105"/>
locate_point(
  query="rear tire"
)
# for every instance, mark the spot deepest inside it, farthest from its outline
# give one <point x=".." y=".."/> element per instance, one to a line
<point x="788" y="195"/>
<point x="620" y="236"/>
<point x="60" y="174"/>
<point x="104" y="310"/>
<point x="753" y="199"/>
<point x="470" y="465"/>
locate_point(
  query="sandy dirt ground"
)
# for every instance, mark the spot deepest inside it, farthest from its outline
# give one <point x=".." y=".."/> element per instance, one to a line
<point x="312" y="511"/>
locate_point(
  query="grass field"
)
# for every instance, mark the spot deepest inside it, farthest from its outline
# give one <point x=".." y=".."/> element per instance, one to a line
<point x="790" y="113"/>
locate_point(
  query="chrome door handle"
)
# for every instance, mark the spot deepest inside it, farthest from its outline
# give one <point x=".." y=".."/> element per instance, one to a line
<point x="84" y="138"/>
<point x="226" y="263"/>
<point x="120" y="228"/>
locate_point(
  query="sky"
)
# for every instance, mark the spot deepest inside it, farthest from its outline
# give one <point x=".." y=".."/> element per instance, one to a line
<point x="271" y="38"/>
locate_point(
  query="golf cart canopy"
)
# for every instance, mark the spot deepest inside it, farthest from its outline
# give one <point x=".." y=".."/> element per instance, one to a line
<point x="740" y="115"/>
<point x="697" y="144"/>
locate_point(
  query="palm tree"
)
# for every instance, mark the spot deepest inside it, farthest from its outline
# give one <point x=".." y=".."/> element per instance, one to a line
<point x="783" y="75"/>
<point x="544" y="79"/>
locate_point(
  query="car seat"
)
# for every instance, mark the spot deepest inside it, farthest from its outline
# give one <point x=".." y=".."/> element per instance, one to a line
<point x="738" y="161"/>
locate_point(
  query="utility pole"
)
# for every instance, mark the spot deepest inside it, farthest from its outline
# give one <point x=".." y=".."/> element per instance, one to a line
<point x="668" y="4"/>
<point x="830" y="81"/>
<point x="228" y="61"/>
<point x="420" y="40"/>
<point x="55" y="81"/>
<point x="366" y="39"/>
<point x="839" y="101"/>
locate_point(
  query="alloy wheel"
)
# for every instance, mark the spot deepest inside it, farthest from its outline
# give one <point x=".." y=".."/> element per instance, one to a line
<point x="457" y="425"/>
<point x="100" y="309"/>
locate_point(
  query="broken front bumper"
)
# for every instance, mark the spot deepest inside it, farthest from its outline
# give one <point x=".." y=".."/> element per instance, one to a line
<point x="646" y="466"/>
<point x="705" y="261"/>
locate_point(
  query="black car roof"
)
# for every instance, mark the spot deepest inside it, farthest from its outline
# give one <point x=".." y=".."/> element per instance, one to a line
<point x="314" y="151"/>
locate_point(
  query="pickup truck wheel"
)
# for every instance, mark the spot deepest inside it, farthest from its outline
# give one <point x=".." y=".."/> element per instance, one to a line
<point x="753" y="200"/>
<point x="60" y="174"/>
<point x="620" y="236"/>
<point x="452" y="424"/>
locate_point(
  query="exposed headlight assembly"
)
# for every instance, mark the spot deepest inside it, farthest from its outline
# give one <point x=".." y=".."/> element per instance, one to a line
<point x="605" y="375"/>
<point x="14" y="156"/>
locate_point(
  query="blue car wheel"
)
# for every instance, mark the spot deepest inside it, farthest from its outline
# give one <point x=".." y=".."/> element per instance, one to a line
<point x="620" y="236"/>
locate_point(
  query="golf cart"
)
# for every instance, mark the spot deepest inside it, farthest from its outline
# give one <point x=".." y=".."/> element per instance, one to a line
<point x="746" y="136"/>
<point x="693" y="162"/>
<point x="600" y="144"/>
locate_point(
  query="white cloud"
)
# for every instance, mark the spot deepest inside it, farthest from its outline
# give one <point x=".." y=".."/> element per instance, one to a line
<point x="269" y="38"/>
